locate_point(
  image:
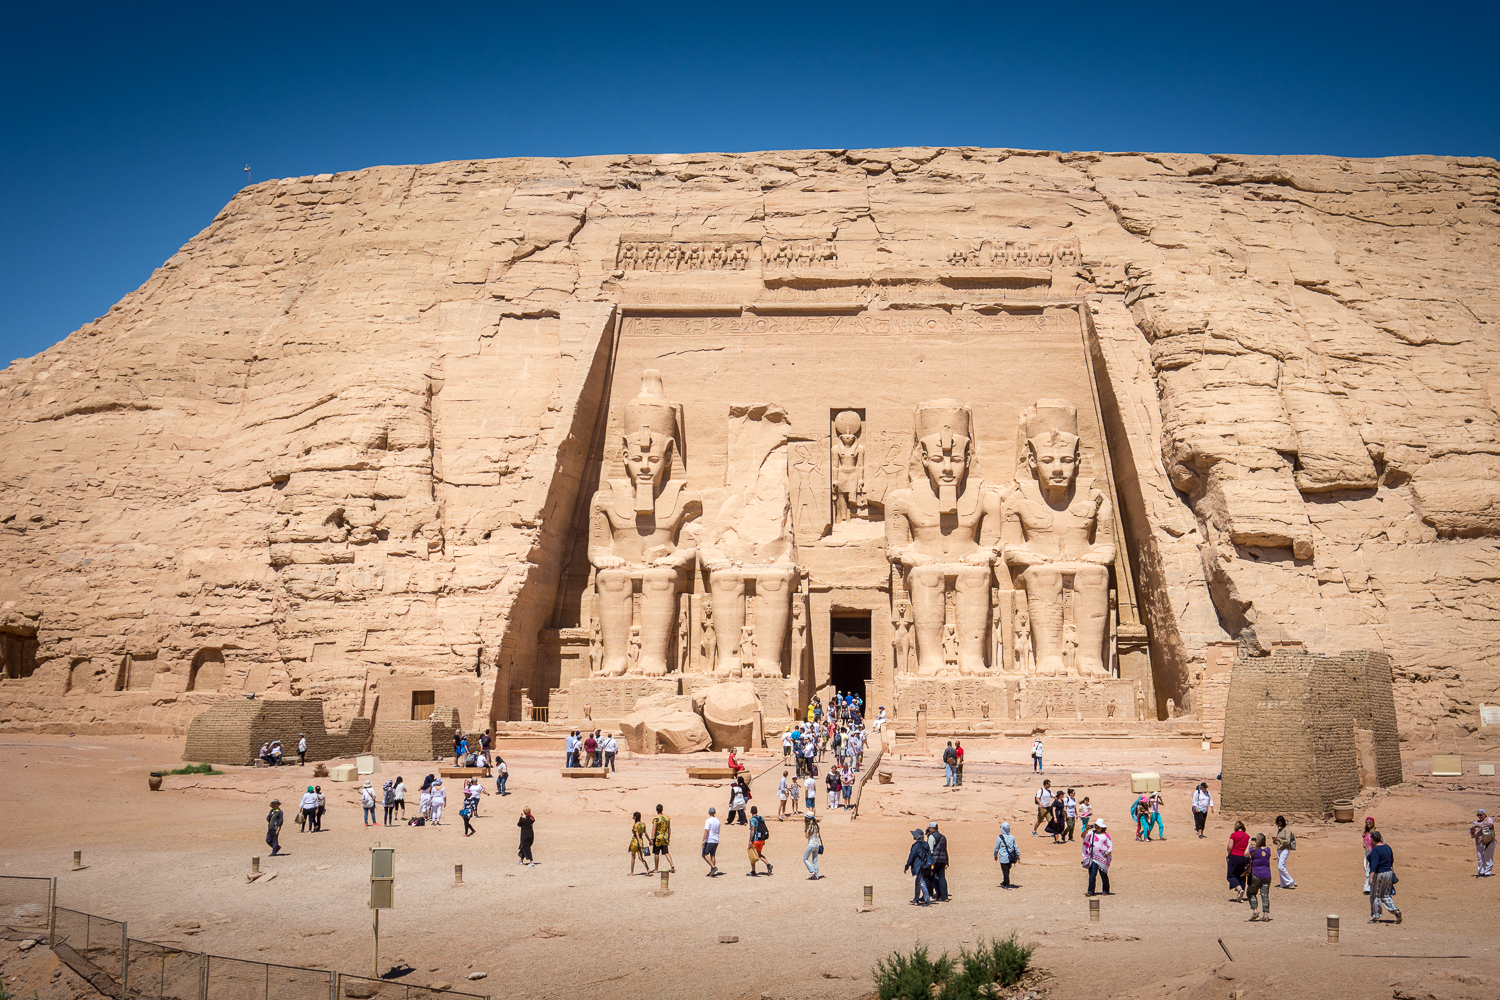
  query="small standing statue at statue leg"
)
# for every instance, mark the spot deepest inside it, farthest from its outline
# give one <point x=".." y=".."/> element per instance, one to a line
<point x="938" y="533"/>
<point x="634" y="543"/>
<point x="901" y="636"/>
<point x="1055" y="538"/>
<point x="849" y="466"/>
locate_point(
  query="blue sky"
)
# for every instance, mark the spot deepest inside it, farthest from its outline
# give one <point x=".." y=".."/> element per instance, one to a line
<point x="127" y="127"/>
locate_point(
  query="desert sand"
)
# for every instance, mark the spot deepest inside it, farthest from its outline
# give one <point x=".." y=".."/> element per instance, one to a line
<point x="174" y="863"/>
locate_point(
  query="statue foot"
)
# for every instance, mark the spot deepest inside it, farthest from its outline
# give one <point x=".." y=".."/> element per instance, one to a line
<point x="1051" y="666"/>
<point x="614" y="669"/>
<point x="647" y="668"/>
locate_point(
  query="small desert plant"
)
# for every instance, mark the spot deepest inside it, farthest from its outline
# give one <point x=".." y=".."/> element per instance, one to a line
<point x="910" y="977"/>
<point x="196" y="769"/>
<point x="972" y="976"/>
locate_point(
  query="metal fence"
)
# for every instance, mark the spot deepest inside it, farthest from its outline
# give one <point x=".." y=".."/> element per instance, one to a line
<point x="101" y="950"/>
<point x="98" y="941"/>
<point x="26" y="906"/>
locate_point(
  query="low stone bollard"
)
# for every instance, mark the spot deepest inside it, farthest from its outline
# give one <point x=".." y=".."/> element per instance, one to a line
<point x="1093" y="911"/>
<point x="1333" y="928"/>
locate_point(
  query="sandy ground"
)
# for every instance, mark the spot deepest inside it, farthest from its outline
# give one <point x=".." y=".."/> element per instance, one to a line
<point x="173" y="865"/>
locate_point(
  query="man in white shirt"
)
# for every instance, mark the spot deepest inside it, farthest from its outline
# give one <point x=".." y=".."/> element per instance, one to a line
<point x="880" y="719"/>
<point x="1043" y="805"/>
<point x="781" y="793"/>
<point x="711" y="843"/>
<point x="810" y="793"/>
<point x="1203" y="804"/>
<point x="786" y="744"/>
<point x="610" y="749"/>
<point x="302" y="749"/>
<point x="1036" y="754"/>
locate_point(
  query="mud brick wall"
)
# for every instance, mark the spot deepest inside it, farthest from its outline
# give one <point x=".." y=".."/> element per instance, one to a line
<point x="431" y="739"/>
<point x="1289" y="729"/>
<point x="232" y="731"/>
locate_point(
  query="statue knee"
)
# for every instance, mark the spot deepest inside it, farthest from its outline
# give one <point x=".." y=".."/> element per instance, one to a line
<point x="970" y="577"/>
<point x="613" y="581"/>
<point x="1042" y="578"/>
<point x="726" y="581"/>
<point x="926" y="576"/>
<point x="774" y="581"/>
<point x="659" y="578"/>
<point x="1091" y="577"/>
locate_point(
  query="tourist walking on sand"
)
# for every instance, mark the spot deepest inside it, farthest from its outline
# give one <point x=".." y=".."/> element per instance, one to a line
<point x="1203" y="803"/>
<point x="832" y="782"/>
<point x="1059" y="821"/>
<point x="814" y="835"/>
<point x="1085" y="814"/>
<point x="1098" y="852"/>
<point x="1043" y="806"/>
<point x="466" y="813"/>
<point x="846" y="786"/>
<point x="1036" y="756"/>
<point x="302" y="749"/>
<point x="273" y="827"/>
<point x="1369" y="845"/>
<point x="810" y="792"/>
<point x="1239" y="846"/>
<point x="528" y="837"/>
<point x="918" y="861"/>
<point x="1483" y="832"/>
<point x="424" y="803"/>
<point x="501" y="774"/>
<point x="1260" y="878"/>
<point x="1070" y="810"/>
<point x="1382" y="878"/>
<point x="950" y="765"/>
<point x="611" y="748"/>
<point x="759" y="834"/>
<point x="322" y="807"/>
<point x="639" y="844"/>
<point x="439" y="800"/>
<point x="958" y="762"/>
<point x="661" y="839"/>
<point x="1285" y="842"/>
<point x="711" y="828"/>
<point x="1007" y="852"/>
<point x="367" y="803"/>
<point x="400" y="790"/>
<point x="736" y="803"/>
<point x="309" y="809"/>
<point x="781" y="794"/>
<point x="938" y="845"/>
<point x="1154" y="818"/>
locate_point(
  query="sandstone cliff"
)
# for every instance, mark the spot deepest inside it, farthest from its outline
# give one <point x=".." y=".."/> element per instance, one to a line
<point x="335" y="446"/>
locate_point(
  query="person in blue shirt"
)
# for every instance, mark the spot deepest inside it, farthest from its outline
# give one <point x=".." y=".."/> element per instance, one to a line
<point x="918" y="862"/>
<point x="1382" y="878"/>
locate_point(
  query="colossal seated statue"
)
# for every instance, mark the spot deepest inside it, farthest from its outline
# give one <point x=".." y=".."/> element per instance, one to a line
<point x="936" y="534"/>
<point x="1054" y="538"/>
<point x="635" y="529"/>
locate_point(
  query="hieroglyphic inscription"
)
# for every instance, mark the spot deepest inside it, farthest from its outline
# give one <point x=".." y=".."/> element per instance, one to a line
<point x="871" y="324"/>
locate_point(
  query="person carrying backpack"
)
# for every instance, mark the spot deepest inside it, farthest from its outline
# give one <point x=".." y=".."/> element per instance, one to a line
<point x="760" y="832"/>
<point x="918" y="860"/>
<point x="950" y="765"/>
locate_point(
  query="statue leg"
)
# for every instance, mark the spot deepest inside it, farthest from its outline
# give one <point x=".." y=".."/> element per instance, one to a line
<point x="1044" y="602"/>
<point x="773" y="607"/>
<point x="972" y="586"/>
<point x="726" y="588"/>
<point x="615" y="590"/>
<point x="1091" y="605"/>
<point x="925" y="584"/>
<point x="658" y="619"/>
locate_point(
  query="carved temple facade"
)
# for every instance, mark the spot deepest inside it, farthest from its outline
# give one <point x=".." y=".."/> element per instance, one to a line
<point x="790" y="395"/>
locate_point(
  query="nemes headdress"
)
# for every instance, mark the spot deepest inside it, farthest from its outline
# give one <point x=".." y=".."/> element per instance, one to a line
<point x="651" y="421"/>
<point x="1052" y="416"/>
<point x="942" y="425"/>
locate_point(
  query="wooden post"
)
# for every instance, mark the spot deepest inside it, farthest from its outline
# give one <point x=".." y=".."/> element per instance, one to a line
<point x="1093" y="911"/>
<point x="869" y="896"/>
<point x="1333" y="928"/>
<point x="458" y="874"/>
<point x="255" y="865"/>
<point x="375" y="951"/>
<point x="77" y="860"/>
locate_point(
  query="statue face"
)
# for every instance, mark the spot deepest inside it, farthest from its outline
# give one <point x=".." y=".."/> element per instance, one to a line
<point x="647" y="464"/>
<point x="1053" y="460"/>
<point x="946" y="462"/>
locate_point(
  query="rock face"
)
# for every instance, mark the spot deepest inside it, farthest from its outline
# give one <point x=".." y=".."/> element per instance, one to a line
<point x="342" y="444"/>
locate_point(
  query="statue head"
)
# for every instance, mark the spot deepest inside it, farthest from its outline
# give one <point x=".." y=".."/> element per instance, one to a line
<point x="945" y="442"/>
<point x="847" y="426"/>
<point x="1052" y="444"/>
<point x="652" y="429"/>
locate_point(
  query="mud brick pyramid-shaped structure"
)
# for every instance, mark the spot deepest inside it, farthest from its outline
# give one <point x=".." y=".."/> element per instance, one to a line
<point x="345" y="443"/>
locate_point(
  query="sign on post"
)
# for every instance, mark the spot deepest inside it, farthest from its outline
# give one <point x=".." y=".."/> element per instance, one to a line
<point x="382" y="896"/>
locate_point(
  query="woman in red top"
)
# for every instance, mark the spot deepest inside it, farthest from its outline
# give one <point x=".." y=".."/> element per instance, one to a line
<point x="1239" y="843"/>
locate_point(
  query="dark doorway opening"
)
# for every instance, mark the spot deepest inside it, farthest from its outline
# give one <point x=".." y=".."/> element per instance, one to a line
<point x="422" y="704"/>
<point x="849" y="655"/>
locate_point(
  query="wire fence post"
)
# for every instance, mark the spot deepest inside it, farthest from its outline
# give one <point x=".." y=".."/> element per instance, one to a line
<point x="124" y="960"/>
<point x="203" y="976"/>
<point x="52" y="915"/>
<point x="334" y="987"/>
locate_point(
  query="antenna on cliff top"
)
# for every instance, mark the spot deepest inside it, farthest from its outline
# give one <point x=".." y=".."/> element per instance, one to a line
<point x="247" y="175"/>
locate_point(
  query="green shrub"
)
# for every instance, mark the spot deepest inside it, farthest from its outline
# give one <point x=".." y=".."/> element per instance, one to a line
<point x="195" y="769"/>
<point x="903" y="977"/>
<point x="972" y="976"/>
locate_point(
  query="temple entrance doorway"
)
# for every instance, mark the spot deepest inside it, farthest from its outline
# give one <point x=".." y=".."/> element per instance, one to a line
<point x="849" y="655"/>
